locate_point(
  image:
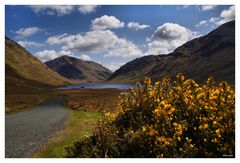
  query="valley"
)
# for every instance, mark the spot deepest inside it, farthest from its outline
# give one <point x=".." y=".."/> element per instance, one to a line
<point x="51" y="105"/>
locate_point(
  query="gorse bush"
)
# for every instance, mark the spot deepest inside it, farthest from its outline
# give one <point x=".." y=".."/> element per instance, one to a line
<point x="166" y="119"/>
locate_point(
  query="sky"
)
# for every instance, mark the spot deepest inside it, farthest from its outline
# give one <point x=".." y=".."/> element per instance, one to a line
<point x="111" y="35"/>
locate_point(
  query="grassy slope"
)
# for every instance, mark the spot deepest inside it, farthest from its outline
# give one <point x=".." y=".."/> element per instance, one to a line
<point x="27" y="79"/>
<point x="20" y="63"/>
<point x="78" y="125"/>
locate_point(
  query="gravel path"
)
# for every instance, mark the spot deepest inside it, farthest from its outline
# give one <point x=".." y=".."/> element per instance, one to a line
<point x="27" y="131"/>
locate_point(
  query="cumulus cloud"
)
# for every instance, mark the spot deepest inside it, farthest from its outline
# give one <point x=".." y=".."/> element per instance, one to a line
<point x="47" y="55"/>
<point x="25" y="32"/>
<point x="93" y="41"/>
<point x="85" y="57"/>
<point x="106" y="22"/>
<point x="207" y="7"/>
<point x="124" y="48"/>
<point x="54" y="40"/>
<point x="137" y="26"/>
<point x="168" y="37"/>
<point x="227" y="15"/>
<point x="224" y="17"/>
<point x="202" y="23"/>
<point x="87" y="9"/>
<point x="106" y="42"/>
<point x="59" y="10"/>
<point x="29" y="44"/>
<point x="172" y="31"/>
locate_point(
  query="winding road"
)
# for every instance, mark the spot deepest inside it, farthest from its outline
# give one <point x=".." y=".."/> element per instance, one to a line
<point x="27" y="131"/>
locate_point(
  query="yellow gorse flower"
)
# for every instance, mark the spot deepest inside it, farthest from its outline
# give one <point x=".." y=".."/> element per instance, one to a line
<point x="205" y="126"/>
<point x="161" y="139"/>
<point x="152" y="132"/>
<point x="179" y="138"/>
<point x="167" y="116"/>
<point x="217" y="131"/>
<point x="215" y="122"/>
<point x="215" y="140"/>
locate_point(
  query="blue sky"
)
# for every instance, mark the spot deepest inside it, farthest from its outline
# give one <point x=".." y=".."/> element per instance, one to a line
<point x="110" y="35"/>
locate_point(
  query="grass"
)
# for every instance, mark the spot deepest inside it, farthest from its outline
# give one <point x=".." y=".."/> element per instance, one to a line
<point x="20" y="102"/>
<point x="91" y="100"/>
<point x="78" y="125"/>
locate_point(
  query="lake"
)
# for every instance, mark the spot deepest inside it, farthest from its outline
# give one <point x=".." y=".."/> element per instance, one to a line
<point x="97" y="86"/>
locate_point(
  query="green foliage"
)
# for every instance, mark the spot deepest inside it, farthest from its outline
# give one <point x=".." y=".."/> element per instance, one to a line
<point x="167" y="119"/>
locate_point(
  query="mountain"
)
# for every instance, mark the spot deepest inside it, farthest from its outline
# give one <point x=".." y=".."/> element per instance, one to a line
<point x="23" y="70"/>
<point x="209" y="55"/>
<point x="77" y="69"/>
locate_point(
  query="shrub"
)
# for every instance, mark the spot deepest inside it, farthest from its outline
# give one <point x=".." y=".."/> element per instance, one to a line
<point x="167" y="119"/>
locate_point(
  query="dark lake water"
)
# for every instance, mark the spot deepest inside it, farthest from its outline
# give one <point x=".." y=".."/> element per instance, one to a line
<point x="97" y="86"/>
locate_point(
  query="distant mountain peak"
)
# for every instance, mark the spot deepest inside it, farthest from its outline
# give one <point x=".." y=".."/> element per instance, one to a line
<point x="63" y="58"/>
<point x="77" y="69"/>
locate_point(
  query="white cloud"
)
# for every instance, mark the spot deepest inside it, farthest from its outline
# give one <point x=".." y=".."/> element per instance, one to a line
<point x="113" y="66"/>
<point x="87" y="9"/>
<point x="25" y="32"/>
<point x="59" y="10"/>
<point x="105" y="42"/>
<point x="54" y="40"/>
<point x="62" y="10"/>
<point x="29" y="43"/>
<point x="168" y="37"/>
<point x="47" y="55"/>
<point x="207" y="7"/>
<point x="224" y="17"/>
<point x="93" y="41"/>
<point x="85" y="57"/>
<point x="172" y="31"/>
<point x="214" y="19"/>
<point x="227" y="15"/>
<point x="63" y="52"/>
<point x="124" y="48"/>
<point x="202" y="23"/>
<point x="137" y="26"/>
<point x="106" y="22"/>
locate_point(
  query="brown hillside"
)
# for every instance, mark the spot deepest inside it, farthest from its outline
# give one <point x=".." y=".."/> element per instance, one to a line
<point x="209" y="55"/>
<point x="22" y="67"/>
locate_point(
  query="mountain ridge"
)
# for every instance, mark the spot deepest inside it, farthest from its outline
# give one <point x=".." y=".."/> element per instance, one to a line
<point x="79" y="70"/>
<point x="23" y="69"/>
<point x="209" y="55"/>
